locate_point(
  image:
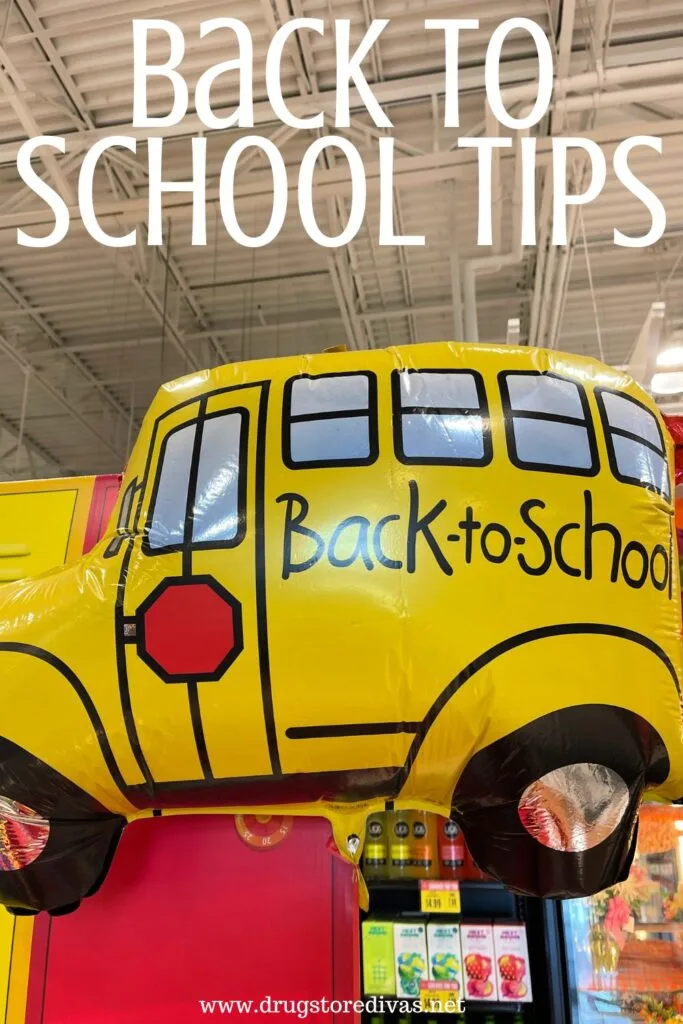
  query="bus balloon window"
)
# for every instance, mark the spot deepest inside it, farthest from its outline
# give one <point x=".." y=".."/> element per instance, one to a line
<point x="207" y="455"/>
<point x="330" y="420"/>
<point x="169" y="502"/>
<point x="440" y="418"/>
<point x="218" y="504"/>
<point x="634" y="442"/>
<point x="123" y="522"/>
<point x="548" y="423"/>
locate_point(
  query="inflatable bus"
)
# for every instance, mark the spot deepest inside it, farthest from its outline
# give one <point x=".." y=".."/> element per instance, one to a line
<point x="439" y="577"/>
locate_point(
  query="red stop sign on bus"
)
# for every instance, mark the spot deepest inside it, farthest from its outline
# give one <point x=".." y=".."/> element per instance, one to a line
<point x="189" y="628"/>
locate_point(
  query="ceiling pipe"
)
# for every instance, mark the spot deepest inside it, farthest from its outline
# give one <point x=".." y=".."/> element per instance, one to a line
<point x="621" y="97"/>
<point x="546" y="254"/>
<point x="642" y="362"/>
<point x="597" y="80"/>
<point x="492" y="264"/>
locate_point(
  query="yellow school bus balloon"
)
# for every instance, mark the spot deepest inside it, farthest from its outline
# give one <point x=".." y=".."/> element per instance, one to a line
<point x="440" y="575"/>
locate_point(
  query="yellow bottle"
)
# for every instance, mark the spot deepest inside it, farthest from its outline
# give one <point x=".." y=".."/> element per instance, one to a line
<point x="424" y="845"/>
<point x="376" y="854"/>
<point x="399" y="835"/>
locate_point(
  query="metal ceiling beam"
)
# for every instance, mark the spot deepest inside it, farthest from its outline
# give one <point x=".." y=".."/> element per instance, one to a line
<point x="409" y="172"/>
<point x="396" y="91"/>
<point x="406" y="279"/>
<point x="32" y="446"/>
<point x="19" y="359"/>
<point x="324" y="318"/>
<point x="46" y="329"/>
<point x="10" y="82"/>
<point x="344" y="283"/>
<point x="76" y="98"/>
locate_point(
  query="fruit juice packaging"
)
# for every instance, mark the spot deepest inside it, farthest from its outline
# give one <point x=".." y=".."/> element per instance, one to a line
<point x="375" y="854"/>
<point x="451" y="849"/>
<point x="378" y="957"/>
<point x="445" y="958"/>
<point x="512" y="962"/>
<point x="476" y="940"/>
<point x="399" y="826"/>
<point x="410" y="957"/>
<point x="424" y="862"/>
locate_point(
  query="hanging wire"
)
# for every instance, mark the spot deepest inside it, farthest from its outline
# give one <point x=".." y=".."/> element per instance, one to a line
<point x="125" y="361"/>
<point x="164" y="310"/>
<point x="252" y="293"/>
<point x="665" y="285"/>
<point x="596" y="315"/>
<point x="22" y="421"/>
<point x="245" y="293"/>
<point x="278" y="286"/>
<point x="214" y="272"/>
<point x="8" y="15"/>
<point x="131" y="419"/>
<point x="552" y="34"/>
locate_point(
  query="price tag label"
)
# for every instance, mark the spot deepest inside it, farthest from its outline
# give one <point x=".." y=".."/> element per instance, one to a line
<point x="440" y="997"/>
<point x="439" y="897"/>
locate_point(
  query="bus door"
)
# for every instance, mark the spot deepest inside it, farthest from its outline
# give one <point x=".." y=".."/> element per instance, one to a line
<point x="190" y="609"/>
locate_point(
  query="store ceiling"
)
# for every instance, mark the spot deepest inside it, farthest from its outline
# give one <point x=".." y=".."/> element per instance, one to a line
<point x="88" y="333"/>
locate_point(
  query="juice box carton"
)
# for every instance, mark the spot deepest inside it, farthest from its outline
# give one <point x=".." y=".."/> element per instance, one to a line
<point x="410" y="957"/>
<point x="512" y="962"/>
<point x="445" y="958"/>
<point x="476" y="939"/>
<point x="378" y="957"/>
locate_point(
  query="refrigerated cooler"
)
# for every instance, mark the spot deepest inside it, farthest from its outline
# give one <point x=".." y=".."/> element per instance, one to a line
<point x="624" y="947"/>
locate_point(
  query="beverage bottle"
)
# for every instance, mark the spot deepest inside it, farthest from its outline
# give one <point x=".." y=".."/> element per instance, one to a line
<point x="398" y="837"/>
<point x="375" y="854"/>
<point x="451" y="850"/>
<point x="424" y="846"/>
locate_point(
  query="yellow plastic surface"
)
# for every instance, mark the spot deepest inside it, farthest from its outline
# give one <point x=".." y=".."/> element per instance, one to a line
<point x="42" y="525"/>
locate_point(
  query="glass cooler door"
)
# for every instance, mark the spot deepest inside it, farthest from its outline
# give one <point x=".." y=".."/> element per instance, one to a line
<point x="625" y="946"/>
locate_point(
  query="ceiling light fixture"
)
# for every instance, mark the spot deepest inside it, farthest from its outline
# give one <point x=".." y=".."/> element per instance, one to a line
<point x="671" y="356"/>
<point x="669" y="383"/>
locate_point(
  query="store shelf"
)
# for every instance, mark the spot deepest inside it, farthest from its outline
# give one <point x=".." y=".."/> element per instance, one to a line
<point x="414" y="883"/>
<point x="472" y="1010"/>
<point x="665" y="989"/>
<point x="486" y="900"/>
<point x="484" y="1008"/>
<point x="481" y="900"/>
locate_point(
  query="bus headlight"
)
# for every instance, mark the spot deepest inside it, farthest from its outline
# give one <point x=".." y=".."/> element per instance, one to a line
<point x="23" y="835"/>
<point x="574" y="808"/>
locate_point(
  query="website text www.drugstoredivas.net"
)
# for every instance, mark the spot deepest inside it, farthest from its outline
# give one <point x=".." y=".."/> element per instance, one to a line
<point x="304" y="1008"/>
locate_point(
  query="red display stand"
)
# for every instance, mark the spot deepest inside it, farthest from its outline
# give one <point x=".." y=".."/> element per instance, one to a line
<point x="189" y="912"/>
